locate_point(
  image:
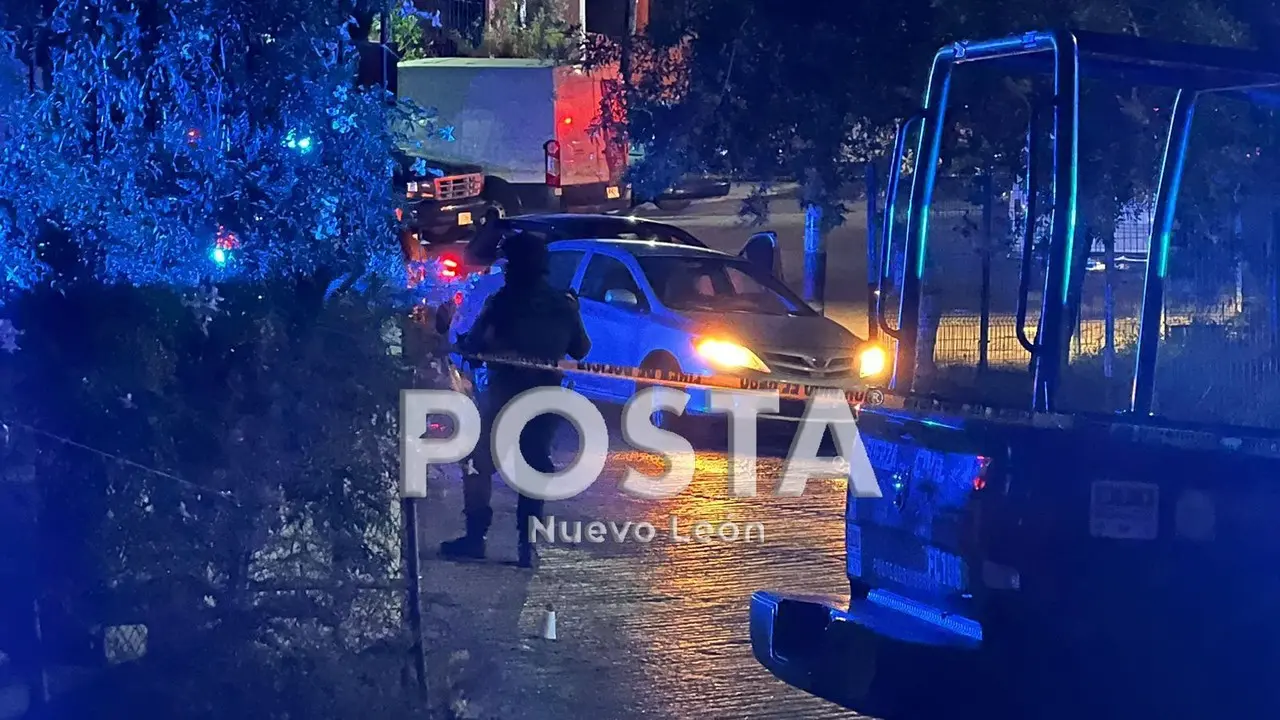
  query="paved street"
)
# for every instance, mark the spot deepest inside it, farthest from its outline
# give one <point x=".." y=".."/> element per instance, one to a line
<point x="654" y="629"/>
<point x="657" y="629"/>
<point x="717" y="223"/>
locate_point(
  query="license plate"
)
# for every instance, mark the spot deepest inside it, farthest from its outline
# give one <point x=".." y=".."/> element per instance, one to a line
<point x="612" y="193"/>
<point x="464" y="218"/>
<point x="1124" y="510"/>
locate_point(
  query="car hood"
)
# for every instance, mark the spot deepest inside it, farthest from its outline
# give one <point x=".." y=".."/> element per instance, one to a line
<point x="782" y="333"/>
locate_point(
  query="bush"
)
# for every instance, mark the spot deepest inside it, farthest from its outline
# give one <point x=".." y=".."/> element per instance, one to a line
<point x="221" y="468"/>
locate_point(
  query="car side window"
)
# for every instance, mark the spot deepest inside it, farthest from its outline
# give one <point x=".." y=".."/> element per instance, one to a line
<point x="605" y="273"/>
<point x="561" y="267"/>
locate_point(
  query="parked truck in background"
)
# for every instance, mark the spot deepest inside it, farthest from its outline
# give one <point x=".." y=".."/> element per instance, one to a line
<point x="528" y="124"/>
<point x="442" y="201"/>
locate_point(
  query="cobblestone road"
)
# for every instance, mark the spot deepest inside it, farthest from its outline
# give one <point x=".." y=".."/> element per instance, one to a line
<point x="654" y="629"/>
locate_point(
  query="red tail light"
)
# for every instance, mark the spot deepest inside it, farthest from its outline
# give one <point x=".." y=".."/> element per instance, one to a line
<point x="980" y="480"/>
<point x="449" y="268"/>
<point x="551" y="149"/>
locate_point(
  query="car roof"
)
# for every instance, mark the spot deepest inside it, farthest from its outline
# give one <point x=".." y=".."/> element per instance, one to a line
<point x="483" y="249"/>
<point x="641" y="248"/>
<point x="594" y="222"/>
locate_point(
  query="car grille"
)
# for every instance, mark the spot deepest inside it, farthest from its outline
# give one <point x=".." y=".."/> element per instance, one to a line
<point x="459" y="187"/>
<point x="817" y="368"/>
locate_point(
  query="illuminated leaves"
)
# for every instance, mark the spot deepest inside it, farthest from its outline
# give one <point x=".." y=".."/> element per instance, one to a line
<point x="232" y="115"/>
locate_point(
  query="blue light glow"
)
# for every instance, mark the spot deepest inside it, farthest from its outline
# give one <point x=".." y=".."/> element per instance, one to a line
<point x="302" y="144"/>
<point x="146" y="227"/>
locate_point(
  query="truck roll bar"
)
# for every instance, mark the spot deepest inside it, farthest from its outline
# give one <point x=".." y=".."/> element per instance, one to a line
<point x="1069" y="55"/>
<point x="890" y="210"/>
<point x="1051" y="340"/>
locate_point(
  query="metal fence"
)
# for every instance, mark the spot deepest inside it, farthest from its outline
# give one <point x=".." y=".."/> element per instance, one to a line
<point x="467" y="18"/>
<point x="1219" y="325"/>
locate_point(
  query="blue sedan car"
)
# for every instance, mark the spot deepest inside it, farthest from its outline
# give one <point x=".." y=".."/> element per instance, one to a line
<point x="686" y="308"/>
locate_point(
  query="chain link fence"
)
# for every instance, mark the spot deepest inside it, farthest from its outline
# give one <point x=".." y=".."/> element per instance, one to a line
<point x="466" y="18"/>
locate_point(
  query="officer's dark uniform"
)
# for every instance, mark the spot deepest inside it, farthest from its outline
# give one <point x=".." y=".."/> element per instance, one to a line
<point x="530" y="319"/>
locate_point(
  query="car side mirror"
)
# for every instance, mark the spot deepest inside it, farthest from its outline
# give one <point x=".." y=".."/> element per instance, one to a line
<point x="621" y="298"/>
<point x="762" y="250"/>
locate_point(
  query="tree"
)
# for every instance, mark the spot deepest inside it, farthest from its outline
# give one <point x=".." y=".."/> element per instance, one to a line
<point x="775" y="93"/>
<point x="212" y="421"/>
<point x="164" y="130"/>
<point x="775" y="90"/>
<point x="409" y="30"/>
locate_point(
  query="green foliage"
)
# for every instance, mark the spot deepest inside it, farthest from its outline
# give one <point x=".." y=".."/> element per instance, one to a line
<point x="775" y="93"/>
<point x="543" y="34"/>
<point x="221" y="468"/>
<point x="408" y="32"/>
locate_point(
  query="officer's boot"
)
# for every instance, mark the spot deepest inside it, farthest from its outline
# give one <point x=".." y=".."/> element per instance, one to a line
<point x="527" y="509"/>
<point x="528" y="555"/>
<point x="470" y="546"/>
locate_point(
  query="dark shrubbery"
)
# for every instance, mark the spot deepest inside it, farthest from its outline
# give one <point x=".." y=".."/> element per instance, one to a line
<point x="220" y="469"/>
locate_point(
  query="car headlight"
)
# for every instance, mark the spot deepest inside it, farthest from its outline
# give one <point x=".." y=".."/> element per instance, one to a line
<point x="730" y="356"/>
<point x="872" y="361"/>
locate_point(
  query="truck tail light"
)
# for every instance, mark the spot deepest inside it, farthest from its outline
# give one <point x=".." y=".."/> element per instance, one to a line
<point x="552" y="151"/>
<point x="980" y="478"/>
<point x="449" y="268"/>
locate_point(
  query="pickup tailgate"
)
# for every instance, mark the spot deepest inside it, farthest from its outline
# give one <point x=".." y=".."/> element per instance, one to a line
<point x="1138" y="562"/>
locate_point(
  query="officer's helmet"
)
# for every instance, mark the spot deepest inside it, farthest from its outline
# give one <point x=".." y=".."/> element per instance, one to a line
<point x="526" y="254"/>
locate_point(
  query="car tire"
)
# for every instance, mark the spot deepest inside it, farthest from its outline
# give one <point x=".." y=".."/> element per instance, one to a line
<point x="673" y="205"/>
<point x="496" y="211"/>
<point x="503" y="200"/>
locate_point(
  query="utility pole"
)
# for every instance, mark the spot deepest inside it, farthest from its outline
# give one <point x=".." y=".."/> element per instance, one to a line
<point x="815" y="257"/>
<point x="408" y="506"/>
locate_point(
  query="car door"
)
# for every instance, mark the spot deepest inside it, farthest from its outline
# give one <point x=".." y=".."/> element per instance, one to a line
<point x="563" y="267"/>
<point x="607" y="286"/>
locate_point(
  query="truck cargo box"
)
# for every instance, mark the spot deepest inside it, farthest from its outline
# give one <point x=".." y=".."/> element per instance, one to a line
<point x="500" y="113"/>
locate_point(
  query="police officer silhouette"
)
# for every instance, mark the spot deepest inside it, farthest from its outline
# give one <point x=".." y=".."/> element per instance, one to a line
<point x="528" y="318"/>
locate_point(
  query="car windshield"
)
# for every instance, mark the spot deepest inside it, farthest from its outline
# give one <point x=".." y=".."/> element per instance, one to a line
<point x="653" y="233"/>
<point x="719" y="285"/>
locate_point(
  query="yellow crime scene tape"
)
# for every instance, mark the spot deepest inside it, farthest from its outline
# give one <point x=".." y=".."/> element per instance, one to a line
<point x="931" y="409"/>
